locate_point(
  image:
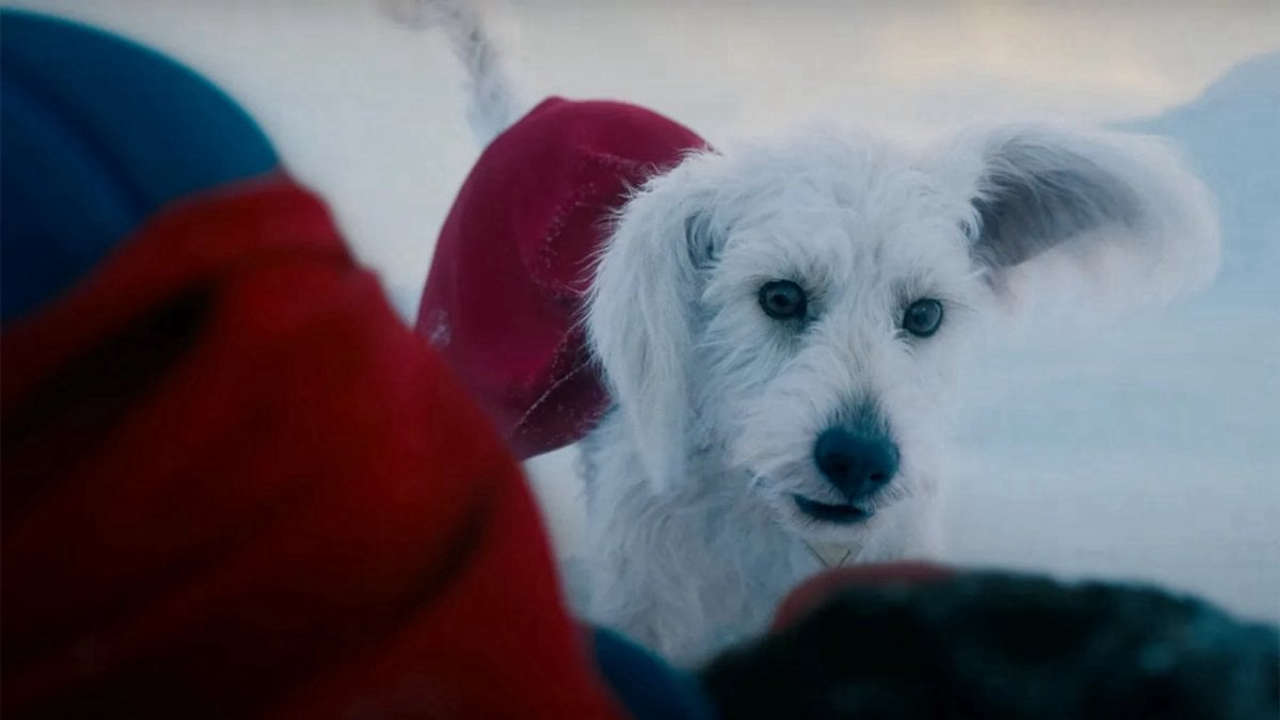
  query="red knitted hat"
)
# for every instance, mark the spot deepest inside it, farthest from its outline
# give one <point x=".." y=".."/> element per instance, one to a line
<point x="504" y="298"/>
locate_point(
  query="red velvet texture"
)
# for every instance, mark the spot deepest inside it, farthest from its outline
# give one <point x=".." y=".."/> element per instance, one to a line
<point x="235" y="485"/>
<point x="504" y="298"/>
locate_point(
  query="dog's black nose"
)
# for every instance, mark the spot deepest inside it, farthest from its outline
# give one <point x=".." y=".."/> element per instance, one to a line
<point x="856" y="464"/>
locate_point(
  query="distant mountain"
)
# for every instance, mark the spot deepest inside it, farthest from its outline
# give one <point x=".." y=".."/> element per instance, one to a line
<point x="1231" y="134"/>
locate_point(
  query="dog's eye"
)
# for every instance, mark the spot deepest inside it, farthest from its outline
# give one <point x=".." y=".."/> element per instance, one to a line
<point x="782" y="299"/>
<point x="922" y="317"/>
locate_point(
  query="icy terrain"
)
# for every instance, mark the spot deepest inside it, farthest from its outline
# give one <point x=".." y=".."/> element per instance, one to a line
<point x="1152" y="449"/>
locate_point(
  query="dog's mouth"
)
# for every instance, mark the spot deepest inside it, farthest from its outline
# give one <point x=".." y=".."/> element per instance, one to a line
<point x="844" y="514"/>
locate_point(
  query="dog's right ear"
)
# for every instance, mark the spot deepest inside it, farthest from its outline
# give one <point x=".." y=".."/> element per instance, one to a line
<point x="646" y="287"/>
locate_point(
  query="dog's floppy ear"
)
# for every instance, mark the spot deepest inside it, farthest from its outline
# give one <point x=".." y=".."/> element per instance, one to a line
<point x="647" y="284"/>
<point x="1115" y="214"/>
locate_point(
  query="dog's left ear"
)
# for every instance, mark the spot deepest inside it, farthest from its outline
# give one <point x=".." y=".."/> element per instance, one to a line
<point x="1115" y="215"/>
<point x="646" y="288"/>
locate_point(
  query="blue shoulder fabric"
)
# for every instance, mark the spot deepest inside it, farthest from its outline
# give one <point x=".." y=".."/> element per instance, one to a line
<point x="98" y="133"/>
<point x="648" y="688"/>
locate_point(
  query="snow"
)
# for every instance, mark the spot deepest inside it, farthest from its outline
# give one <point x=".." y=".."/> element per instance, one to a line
<point x="1148" y="448"/>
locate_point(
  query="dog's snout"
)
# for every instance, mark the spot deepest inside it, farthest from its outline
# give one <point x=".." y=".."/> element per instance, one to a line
<point x="857" y="464"/>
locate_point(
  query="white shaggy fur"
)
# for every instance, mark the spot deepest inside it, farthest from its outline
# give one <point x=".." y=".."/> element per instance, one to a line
<point x="693" y="530"/>
<point x="493" y="104"/>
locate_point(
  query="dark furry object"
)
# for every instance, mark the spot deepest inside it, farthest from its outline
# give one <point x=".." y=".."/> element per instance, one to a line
<point x="997" y="646"/>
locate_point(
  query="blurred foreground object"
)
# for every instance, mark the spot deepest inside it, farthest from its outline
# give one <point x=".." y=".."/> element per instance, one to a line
<point x="234" y="483"/>
<point x="916" y="641"/>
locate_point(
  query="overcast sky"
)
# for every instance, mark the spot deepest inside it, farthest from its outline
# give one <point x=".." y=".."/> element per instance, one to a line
<point x="370" y="113"/>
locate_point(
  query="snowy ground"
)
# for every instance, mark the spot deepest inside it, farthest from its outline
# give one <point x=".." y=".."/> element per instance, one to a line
<point x="1147" y="449"/>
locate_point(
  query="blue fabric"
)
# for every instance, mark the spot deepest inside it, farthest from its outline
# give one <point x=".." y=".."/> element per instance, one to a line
<point x="648" y="688"/>
<point x="98" y="133"/>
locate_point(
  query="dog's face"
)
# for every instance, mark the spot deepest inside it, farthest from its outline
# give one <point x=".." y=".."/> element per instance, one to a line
<point x="832" y="313"/>
<point x="796" y="312"/>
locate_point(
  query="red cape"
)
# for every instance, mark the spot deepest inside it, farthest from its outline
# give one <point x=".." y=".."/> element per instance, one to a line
<point x="235" y="485"/>
<point x="504" y="298"/>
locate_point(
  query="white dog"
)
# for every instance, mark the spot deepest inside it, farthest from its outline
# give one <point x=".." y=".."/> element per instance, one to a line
<point x="781" y="324"/>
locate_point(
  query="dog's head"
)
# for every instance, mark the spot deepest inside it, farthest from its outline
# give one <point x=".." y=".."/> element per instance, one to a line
<point x="796" y="310"/>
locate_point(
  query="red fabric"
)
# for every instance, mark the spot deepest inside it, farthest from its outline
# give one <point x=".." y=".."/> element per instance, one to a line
<point x="504" y="297"/>
<point x="235" y="485"/>
<point x="816" y="590"/>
